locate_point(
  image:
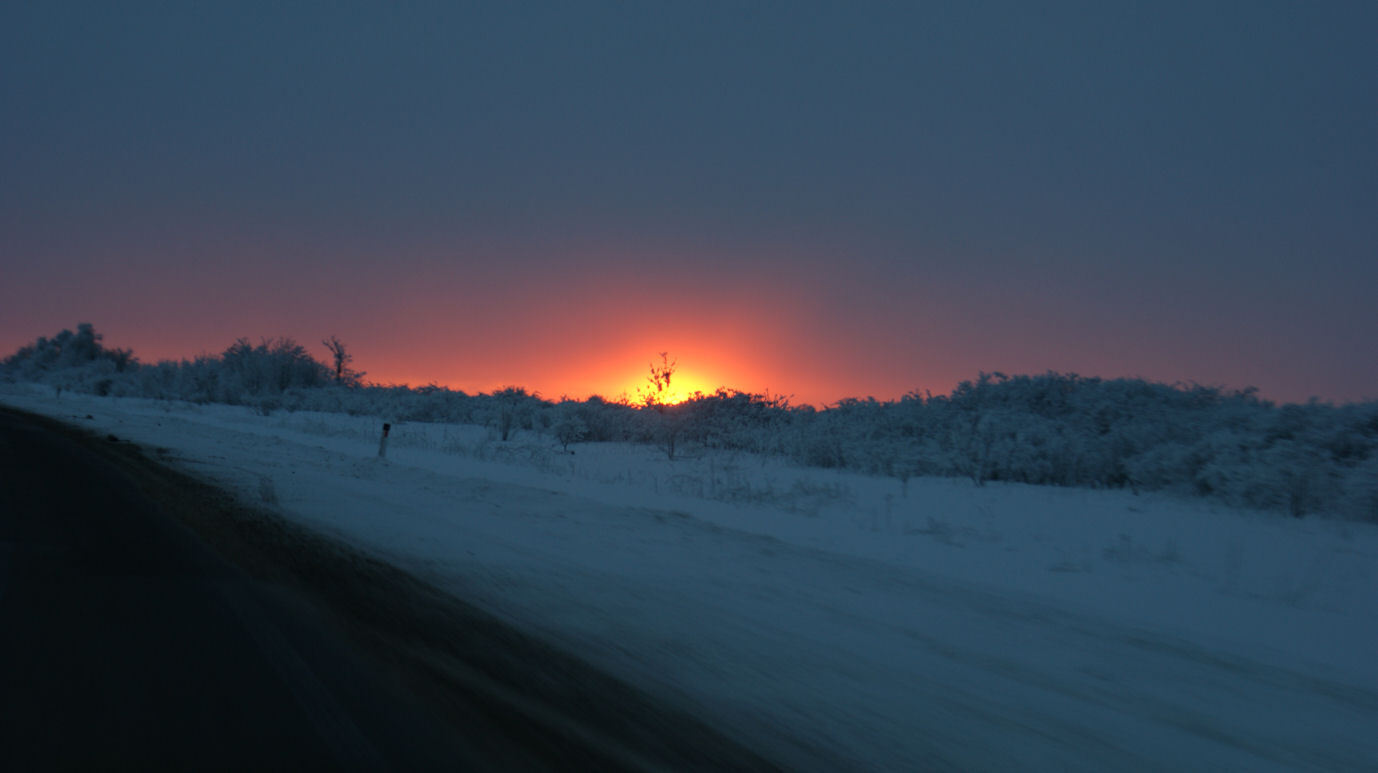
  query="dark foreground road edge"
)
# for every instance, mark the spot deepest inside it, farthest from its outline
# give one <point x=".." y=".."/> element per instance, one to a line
<point x="149" y="620"/>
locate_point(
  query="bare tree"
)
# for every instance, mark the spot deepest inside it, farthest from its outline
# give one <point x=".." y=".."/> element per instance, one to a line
<point x="669" y="419"/>
<point x="660" y="380"/>
<point x="341" y="358"/>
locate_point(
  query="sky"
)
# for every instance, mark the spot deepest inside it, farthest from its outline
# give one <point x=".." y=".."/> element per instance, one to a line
<point x="819" y="200"/>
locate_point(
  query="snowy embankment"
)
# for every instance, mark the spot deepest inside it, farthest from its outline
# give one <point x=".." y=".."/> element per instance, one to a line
<point x="832" y="620"/>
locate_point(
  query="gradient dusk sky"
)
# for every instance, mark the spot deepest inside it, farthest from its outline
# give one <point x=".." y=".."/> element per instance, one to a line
<point x="819" y="199"/>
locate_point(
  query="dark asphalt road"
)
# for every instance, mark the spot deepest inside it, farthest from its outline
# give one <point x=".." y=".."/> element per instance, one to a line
<point x="147" y="621"/>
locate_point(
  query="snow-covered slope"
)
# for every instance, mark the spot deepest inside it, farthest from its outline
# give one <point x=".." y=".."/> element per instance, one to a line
<point x="834" y="620"/>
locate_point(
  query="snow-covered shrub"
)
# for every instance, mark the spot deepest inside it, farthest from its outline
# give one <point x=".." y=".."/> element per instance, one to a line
<point x="48" y="360"/>
<point x="568" y="426"/>
<point x="269" y="369"/>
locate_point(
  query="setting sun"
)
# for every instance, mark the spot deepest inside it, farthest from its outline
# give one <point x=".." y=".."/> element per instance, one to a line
<point x="665" y="383"/>
<point x="681" y="389"/>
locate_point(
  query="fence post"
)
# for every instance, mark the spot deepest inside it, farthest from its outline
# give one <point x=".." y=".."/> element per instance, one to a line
<point x="383" y="443"/>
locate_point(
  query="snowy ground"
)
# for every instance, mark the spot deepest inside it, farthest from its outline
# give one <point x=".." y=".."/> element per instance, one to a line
<point x="834" y="620"/>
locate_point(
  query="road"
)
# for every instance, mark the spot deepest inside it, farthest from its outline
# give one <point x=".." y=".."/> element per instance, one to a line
<point x="147" y="620"/>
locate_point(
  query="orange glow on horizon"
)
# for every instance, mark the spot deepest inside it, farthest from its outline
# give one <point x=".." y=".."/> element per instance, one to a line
<point x="566" y="332"/>
<point x="622" y="377"/>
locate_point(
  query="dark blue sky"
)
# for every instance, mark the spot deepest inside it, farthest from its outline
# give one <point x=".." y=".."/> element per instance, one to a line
<point x="820" y="199"/>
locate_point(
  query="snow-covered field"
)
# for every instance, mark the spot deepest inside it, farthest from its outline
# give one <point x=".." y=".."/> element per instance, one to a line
<point x="834" y="620"/>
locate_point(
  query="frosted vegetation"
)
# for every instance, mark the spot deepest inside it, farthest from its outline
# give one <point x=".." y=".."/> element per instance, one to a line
<point x="1051" y="429"/>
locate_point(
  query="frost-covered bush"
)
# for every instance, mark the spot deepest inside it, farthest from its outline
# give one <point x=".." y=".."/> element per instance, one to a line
<point x="60" y="359"/>
<point x="610" y="422"/>
<point x="568" y="425"/>
<point x="269" y="369"/>
<point x="733" y="419"/>
<point x="1071" y="431"/>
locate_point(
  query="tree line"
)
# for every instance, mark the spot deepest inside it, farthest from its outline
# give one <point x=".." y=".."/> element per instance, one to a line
<point x="1050" y="429"/>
